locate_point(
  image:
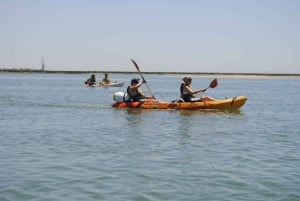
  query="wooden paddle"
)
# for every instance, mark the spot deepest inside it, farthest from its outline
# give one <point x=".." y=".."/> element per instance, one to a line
<point x="212" y="84"/>
<point x="138" y="69"/>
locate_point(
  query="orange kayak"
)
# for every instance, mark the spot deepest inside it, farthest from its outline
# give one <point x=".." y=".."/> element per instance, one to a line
<point x="227" y="103"/>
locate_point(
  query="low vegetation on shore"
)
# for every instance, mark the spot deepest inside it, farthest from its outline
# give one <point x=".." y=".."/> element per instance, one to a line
<point x="28" y="70"/>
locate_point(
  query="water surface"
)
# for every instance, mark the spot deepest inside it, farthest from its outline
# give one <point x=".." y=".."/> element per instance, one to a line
<point x="60" y="140"/>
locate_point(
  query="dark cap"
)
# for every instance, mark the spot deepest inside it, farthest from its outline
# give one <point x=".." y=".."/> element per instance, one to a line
<point x="135" y="80"/>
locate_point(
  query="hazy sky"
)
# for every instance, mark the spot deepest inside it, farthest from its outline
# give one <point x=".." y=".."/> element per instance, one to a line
<point x="243" y="36"/>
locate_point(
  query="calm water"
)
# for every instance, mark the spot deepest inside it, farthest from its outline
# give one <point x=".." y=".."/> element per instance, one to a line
<point x="62" y="141"/>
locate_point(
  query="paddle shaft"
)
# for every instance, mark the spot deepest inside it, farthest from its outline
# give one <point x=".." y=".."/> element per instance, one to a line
<point x="138" y="69"/>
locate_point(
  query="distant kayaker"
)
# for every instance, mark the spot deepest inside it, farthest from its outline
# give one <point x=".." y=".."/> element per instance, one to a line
<point x="91" y="80"/>
<point x="105" y="80"/>
<point x="188" y="94"/>
<point x="134" y="91"/>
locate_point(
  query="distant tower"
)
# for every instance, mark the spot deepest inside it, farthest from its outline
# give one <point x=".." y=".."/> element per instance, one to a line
<point x="43" y="64"/>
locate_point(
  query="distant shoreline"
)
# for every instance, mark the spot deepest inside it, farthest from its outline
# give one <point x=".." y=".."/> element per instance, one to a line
<point x="160" y="73"/>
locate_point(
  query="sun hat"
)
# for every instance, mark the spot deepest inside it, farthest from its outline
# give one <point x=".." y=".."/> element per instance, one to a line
<point x="186" y="78"/>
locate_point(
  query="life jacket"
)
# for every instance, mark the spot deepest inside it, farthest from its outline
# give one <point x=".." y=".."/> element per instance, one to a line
<point x="136" y="97"/>
<point x="90" y="81"/>
<point x="106" y="81"/>
<point x="184" y="96"/>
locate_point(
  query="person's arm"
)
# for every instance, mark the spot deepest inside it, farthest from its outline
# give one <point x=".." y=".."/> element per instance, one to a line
<point x="201" y="90"/>
<point x="138" y="85"/>
<point x="194" y="92"/>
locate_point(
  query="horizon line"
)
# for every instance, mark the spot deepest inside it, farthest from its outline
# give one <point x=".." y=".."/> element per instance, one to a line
<point x="28" y="70"/>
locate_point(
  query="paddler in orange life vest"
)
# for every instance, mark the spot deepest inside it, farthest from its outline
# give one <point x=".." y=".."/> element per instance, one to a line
<point x="134" y="91"/>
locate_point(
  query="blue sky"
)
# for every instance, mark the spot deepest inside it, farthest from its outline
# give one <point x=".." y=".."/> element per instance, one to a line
<point x="235" y="36"/>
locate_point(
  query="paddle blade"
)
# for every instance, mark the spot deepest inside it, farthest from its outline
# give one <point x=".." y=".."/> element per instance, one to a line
<point x="213" y="83"/>
<point x="135" y="65"/>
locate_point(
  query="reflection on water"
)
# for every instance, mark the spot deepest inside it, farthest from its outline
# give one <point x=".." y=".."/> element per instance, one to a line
<point x="134" y="111"/>
<point x="207" y="112"/>
<point x="138" y="111"/>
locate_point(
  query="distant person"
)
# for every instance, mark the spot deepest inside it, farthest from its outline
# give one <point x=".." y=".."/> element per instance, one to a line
<point x="105" y="80"/>
<point x="91" y="81"/>
<point x="134" y="91"/>
<point x="188" y="94"/>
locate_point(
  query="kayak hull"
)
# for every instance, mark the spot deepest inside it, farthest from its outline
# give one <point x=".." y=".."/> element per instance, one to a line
<point x="228" y="103"/>
<point x="113" y="84"/>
